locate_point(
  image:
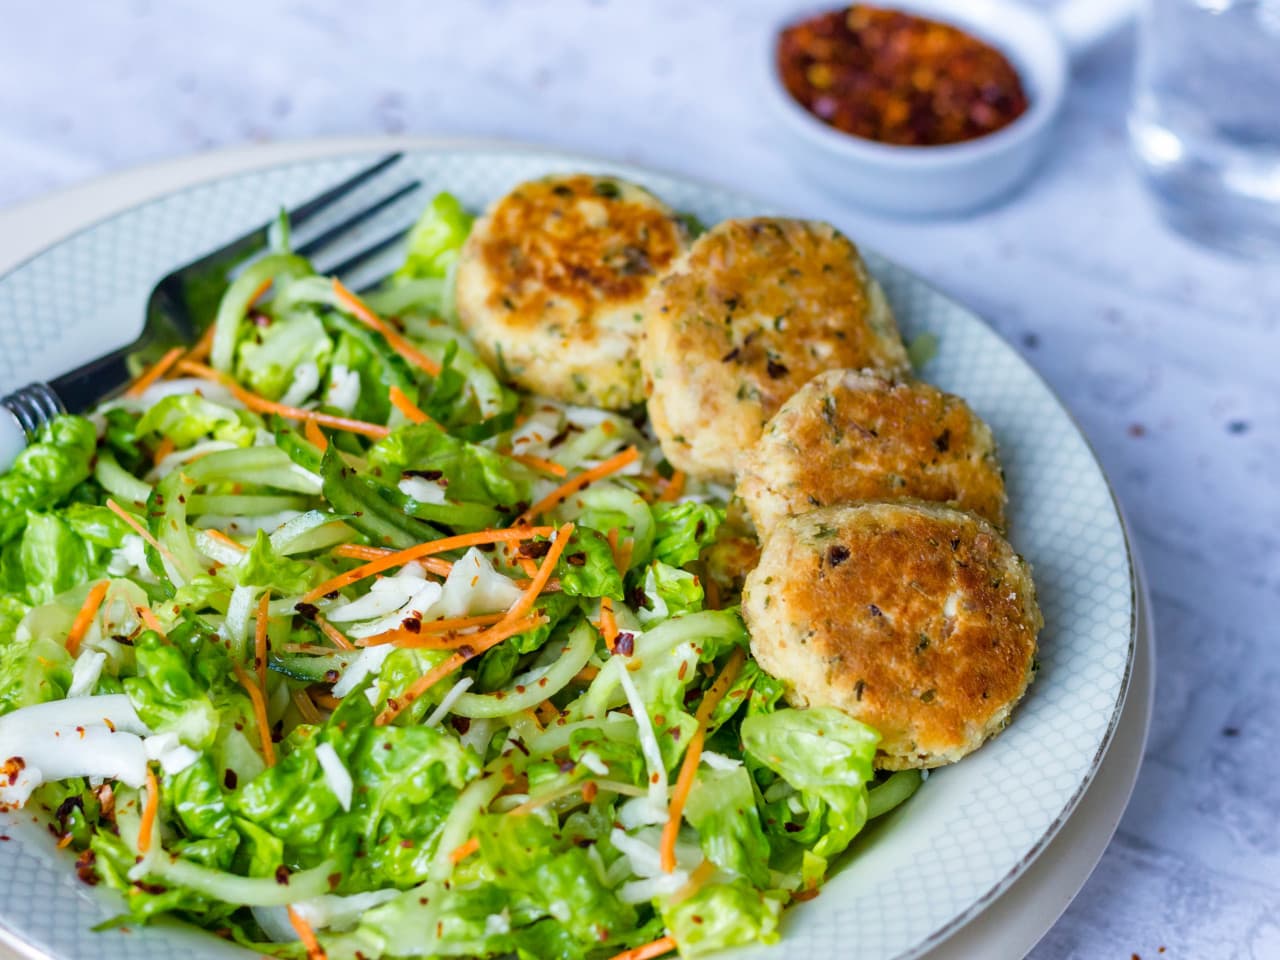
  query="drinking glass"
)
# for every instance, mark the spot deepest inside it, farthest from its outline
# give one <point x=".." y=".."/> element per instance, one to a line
<point x="1205" y="123"/>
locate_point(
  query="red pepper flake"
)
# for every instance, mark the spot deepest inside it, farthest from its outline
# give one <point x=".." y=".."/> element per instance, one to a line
<point x="896" y="78"/>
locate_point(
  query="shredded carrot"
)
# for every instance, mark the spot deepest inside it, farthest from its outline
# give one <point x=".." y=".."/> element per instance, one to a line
<point x="546" y="712"/>
<point x="136" y="525"/>
<point x="153" y="372"/>
<point x="693" y="756"/>
<point x="479" y="644"/>
<point x="589" y="791"/>
<point x="464" y="850"/>
<point x="313" y="433"/>
<point x="149" y="811"/>
<point x="165" y="447"/>
<point x="697" y="879"/>
<point x="538" y="463"/>
<point x="306" y="709"/>
<point x="333" y="633"/>
<point x="621" y="551"/>
<point x="358" y="309"/>
<point x="215" y="534"/>
<point x="648" y="951"/>
<point x="261" y="291"/>
<point x="586" y="674"/>
<point x="570" y="487"/>
<point x="200" y="352"/>
<point x="306" y="935"/>
<point x="80" y="626"/>
<point x="399" y="558"/>
<point x="528" y="565"/>
<point x="536" y="585"/>
<point x="446" y="625"/>
<point x="401" y="401"/>
<point x="64" y="841"/>
<point x="149" y="619"/>
<point x="263" y="405"/>
<point x="326" y="700"/>
<point x="608" y="623"/>
<point x="260" y="640"/>
<point x="358" y="551"/>
<point x="674" y="487"/>
<point x="259" y="713"/>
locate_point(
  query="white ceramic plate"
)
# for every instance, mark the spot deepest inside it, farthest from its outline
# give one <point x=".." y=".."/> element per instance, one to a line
<point x="912" y="879"/>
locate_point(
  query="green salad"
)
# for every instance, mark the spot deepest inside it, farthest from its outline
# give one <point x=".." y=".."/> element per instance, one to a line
<point x="322" y="638"/>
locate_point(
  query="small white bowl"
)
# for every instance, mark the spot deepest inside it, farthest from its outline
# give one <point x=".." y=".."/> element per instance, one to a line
<point x="941" y="180"/>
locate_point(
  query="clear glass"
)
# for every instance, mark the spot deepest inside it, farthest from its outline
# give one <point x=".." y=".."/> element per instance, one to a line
<point x="1205" y="125"/>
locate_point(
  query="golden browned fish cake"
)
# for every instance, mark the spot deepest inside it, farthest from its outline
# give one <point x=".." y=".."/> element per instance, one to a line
<point x="551" y="281"/>
<point x="848" y="436"/>
<point x="917" y="619"/>
<point x="753" y="311"/>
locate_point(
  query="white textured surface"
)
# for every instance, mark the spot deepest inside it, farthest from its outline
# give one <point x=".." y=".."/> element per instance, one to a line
<point x="1166" y="354"/>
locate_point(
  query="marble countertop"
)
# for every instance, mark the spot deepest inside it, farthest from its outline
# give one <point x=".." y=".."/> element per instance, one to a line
<point x="1167" y="354"/>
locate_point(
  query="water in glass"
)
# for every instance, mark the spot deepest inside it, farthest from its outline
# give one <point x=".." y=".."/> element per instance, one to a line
<point x="1205" y="125"/>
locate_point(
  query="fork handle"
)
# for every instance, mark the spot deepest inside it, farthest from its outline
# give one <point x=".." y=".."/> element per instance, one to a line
<point x="37" y="403"/>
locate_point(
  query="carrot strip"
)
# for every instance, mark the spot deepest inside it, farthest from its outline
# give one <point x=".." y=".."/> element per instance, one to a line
<point x="399" y="558"/>
<point x="674" y="487"/>
<point x="401" y="402"/>
<point x="693" y="756"/>
<point x="149" y="811"/>
<point x="153" y="373"/>
<point x="586" y="674"/>
<point x="464" y="850"/>
<point x="307" y="936"/>
<point x="136" y="525"/>
<point x="448" y="625"/>
<point x="148" y="617"/>
<point x="478" y="645"/>
<point x="325" y="700"/>
<point x="608" y="623"/>
<point x="538" y="463"/>
<point x="570" y="487"/>
<point x="358" y="309"/>
<point x="314" y="434"/>
<point x="80" y="626"/>
<point x="165" y="447"/>
<point x="259" y="714"/>
<point x="261" y="291"/>
<point x="536" y="585"/>
<point x="358" y="551"/>
<point x="260" y="640"/>
<point x="263" y="405"/>
<point x="200" y="352"/>
<point x="64" y="841"/>
<point x="214" y="534"/>
<point x="306" y="709"/>
<point x="648" y="951"/>
<point x="333" y="633"/>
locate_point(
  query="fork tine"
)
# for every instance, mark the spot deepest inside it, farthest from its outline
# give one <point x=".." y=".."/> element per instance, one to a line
<point x="319" y="242"/>
<point x="315" y="205"/>
<point x="340" y="270"/>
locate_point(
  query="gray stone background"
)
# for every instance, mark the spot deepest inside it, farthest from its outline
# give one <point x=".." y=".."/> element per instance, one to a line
<point x="1167" y="354"/>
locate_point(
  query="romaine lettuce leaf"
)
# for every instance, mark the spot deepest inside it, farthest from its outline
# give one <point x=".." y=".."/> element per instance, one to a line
<point x="436" y="239"/>
<point x="683" y="530"/>
<point x="46" y="472"/>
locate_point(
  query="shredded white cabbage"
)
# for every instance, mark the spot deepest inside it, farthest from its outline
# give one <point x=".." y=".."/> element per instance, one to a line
<point x="336" y="774"/>
<point x="370" y="660"/>
<point x="344" y="388"/>
<point x="450" y="698"/>
<point x="648" y="745"/>
<point x="85" y="673"/>
<point x="718" y="761"/>
<point x="422" y="490"/>
<point x="306" y="377"/>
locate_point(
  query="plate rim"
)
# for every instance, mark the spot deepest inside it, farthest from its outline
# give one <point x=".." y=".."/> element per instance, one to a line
<point x="300" y="152"/>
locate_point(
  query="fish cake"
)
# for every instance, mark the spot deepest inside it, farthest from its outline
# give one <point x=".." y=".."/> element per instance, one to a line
<point x="552" y="279"/>
<point x="754" y="310"/>
<point x="914" y="618"/>
<point x="848" y="436"/>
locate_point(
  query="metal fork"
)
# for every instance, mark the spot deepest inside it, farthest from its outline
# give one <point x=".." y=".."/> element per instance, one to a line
<point x="182" y="306"/>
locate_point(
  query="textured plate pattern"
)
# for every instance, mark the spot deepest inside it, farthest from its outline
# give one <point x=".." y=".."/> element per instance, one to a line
<point x="912" y="878"/>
